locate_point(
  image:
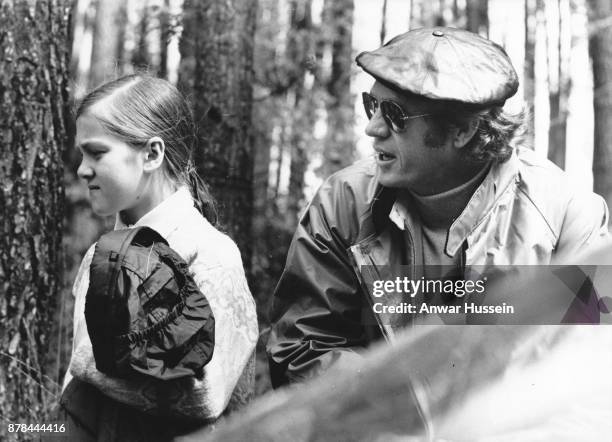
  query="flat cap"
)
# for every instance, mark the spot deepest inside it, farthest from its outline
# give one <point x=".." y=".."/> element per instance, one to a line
<point x="444" y="64"/>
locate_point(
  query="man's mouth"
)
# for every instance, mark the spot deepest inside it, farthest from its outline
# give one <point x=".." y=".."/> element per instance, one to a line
<point x="384" y="156"/>
<point x="93" y="187"/>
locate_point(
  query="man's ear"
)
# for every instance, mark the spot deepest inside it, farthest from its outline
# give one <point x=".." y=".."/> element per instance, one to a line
<point x="463" y="135"/>
<point x="154" y="152"/>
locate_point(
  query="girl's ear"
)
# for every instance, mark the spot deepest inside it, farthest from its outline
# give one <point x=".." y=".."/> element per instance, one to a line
<point x="154" y="152"/>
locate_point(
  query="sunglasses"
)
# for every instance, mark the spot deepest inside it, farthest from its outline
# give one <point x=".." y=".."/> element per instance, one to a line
<point x="392" y="113"/>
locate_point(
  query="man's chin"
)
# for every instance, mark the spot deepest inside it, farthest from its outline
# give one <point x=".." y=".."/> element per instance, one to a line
<point x="391" y="181"/>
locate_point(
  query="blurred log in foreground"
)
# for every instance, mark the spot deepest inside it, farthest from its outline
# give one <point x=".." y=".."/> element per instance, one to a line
<point x="487" y="382"/>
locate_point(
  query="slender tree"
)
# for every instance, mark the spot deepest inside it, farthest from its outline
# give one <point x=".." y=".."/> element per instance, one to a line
<point x="33" y="108"/>
<point x="121" y="24"/>
<point x="383" y="24"/>
<point x="105" y="41"/>
<point x="287" y="96"/>
<point x="217" y="71"/>
<point x="425" y="13"/>
<point x="558" y="86"/>
<point x="301" y="99"/>
<point x="477" y="12"/>
<point x="530" y="24"/>
<point x="83" y="23"/>
<point x="412" y="14"/>
<point x="265" y="109"/>
<point x="164" y="38"/>
<point x="339" y="146"/>
<point x="141" y="57"/>
<point x="600" y="36"/>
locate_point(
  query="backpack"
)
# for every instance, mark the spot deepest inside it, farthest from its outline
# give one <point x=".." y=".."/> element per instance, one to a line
<point x="144" y="312"/>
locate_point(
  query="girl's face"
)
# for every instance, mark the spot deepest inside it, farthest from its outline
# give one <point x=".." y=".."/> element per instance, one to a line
<point x="113" y="170"/>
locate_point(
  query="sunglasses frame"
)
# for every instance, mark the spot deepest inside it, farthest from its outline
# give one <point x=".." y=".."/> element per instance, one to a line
<point x="381" y="105"/>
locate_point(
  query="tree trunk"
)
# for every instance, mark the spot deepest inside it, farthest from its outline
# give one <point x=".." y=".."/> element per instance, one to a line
<point x="266" y="113"/>
<point x="121" y="24"/>
<point x="300" y="98"/>
<point x="340" y="143"/>
<point x="84" y="21"/>
<point x="601" y="54"/>
<point x="383" y="24"/>
<point x="558" y="94"/>
<point x="105" y="42"/>
<point x="141" y="57"/>
<point x="33" y="110"/>
<point x="78" y="28"/>
<point x="411" y="15"/>
<point x="217" y="70"/>
<point x="529" y="67"/>
<point x="477" y="12"/>
<point x="425" y="13"/>
<point x="164" y="39"/>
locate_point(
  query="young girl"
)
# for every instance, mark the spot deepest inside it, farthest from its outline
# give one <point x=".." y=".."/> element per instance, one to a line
<point x="136" y="135"/>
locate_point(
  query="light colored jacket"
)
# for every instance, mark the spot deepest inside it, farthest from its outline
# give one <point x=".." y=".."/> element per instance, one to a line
<point x="525" y="212"/>
<point x="216" y="265"/>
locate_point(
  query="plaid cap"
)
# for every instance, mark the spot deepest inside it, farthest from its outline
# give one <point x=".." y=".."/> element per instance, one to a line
<point x="444" y="64"/>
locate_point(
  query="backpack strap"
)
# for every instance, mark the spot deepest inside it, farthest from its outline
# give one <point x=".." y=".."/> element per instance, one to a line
<point x="121" y="240"/>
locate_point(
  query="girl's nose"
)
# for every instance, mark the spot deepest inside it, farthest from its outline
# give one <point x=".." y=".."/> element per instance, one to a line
<point x="377" y="127"/>
<point x="84" y="171"/>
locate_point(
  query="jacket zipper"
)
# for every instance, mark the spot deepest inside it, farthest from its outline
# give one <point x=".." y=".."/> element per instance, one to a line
<point x="463" y="259"/>
<point x="413" y="259"/>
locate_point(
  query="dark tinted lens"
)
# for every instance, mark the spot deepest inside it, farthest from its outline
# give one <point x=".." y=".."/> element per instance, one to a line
<point x="370" y="104"/>
<point x="393" y="115"/>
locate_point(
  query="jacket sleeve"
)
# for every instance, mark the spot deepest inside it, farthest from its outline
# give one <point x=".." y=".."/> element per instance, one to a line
<point x="316" y="311"/>
<point x="585" y="226"/>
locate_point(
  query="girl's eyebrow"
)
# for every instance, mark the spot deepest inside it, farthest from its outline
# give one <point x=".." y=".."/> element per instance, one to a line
<point x="89" y="145"/>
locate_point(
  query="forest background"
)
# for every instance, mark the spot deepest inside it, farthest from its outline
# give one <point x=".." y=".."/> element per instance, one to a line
<point x="275" y="92"/>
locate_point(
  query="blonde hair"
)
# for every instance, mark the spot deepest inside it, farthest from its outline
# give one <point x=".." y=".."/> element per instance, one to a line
<point x="138" y="107"/>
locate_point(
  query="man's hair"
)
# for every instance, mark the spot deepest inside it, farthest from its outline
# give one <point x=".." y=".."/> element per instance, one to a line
<point x="497" y="134"/>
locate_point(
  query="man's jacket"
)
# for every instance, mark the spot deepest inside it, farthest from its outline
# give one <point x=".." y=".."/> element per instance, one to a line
<point x="524" y="212"/>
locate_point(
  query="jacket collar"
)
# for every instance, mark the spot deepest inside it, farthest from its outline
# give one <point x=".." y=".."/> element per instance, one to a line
<point x="500" y="176"/>
<point x="167" y="215"/>
<point x="483" y="200"/>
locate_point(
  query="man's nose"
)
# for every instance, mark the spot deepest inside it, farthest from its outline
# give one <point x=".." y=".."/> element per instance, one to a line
<point x="377" y="127"/>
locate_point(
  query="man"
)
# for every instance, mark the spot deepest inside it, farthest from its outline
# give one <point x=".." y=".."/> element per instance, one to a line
<point x="449" y="186"/>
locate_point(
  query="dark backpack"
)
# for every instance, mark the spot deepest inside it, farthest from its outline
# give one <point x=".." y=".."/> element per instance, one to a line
<point x="144" y="311"/>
